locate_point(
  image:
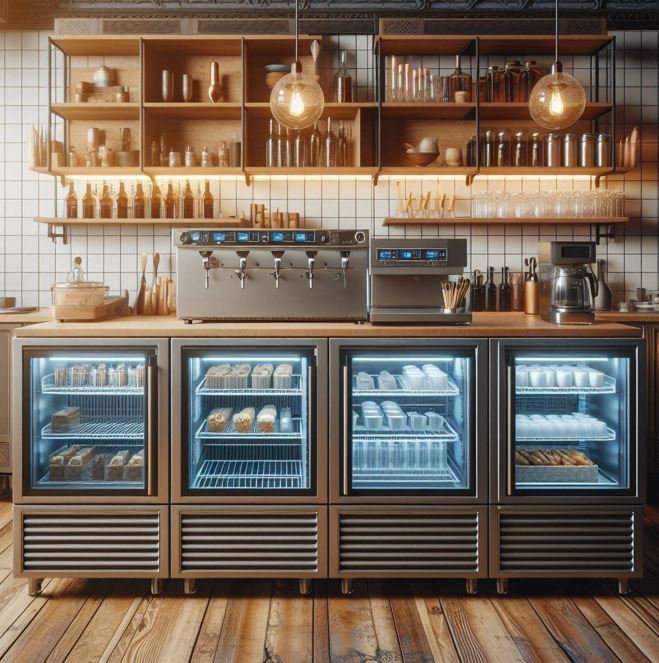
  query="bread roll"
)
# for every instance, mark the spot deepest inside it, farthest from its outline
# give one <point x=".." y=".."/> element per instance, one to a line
<point x="266" y="418"/>
<point x="218" y="418"/>
<point x="243" y="421"/>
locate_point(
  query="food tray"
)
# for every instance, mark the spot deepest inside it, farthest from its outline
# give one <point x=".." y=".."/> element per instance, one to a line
<point x="404" y="389"/>
<point x="556" y="473"/>
<point x="610" y="435"/>
<point x="204" y="434"/>
<point x="48" y="386"/>
<point x="405" y="433"/>
<point x="609" y="387"/>
<point x="295" y="390"/>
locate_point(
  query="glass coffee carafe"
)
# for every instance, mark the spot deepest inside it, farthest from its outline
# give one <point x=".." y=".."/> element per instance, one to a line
<point x="574" y="288"/>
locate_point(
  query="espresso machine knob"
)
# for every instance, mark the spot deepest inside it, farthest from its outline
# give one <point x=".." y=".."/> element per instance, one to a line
<point x="185" y="238"/>
<point x="360" y="237"/>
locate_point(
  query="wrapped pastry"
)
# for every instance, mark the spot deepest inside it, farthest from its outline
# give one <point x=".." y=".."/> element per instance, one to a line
<point x="218" y="419"/>
<point x="99" y="376"/>
<point x="283" y="377"/>
<point x="122" y="376"/>
<point x="140" y="375"/>
<point x="134" y="470"/>
<point x="65" y="419"/>
<point x="261" y="376"/>
<point x="239" y="376"/>
<point x="61" y="377"/>
<point x="78" y="462"/>
<point x="58" y="462"/>
<point x="115" y="469"/>
<point x="243" y="421"/>
<point x="216" y="376"/>
<point x="266" y="418"/>
<point x="98" y="468"/>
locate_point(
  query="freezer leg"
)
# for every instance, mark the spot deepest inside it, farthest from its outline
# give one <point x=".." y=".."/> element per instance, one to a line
<point x="34" y="586"/>
<point x="502" y="585"/>
<point x="346" y="586"/>
<point x="157" y="585"/>
<point x="189" y="586"/>
<point x="472" y="585"/>
<point x="623" y="586"/>
<point x="305" y="586"/>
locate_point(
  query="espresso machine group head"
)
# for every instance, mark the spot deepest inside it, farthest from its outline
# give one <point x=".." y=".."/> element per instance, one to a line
<point x="248" y="274"/>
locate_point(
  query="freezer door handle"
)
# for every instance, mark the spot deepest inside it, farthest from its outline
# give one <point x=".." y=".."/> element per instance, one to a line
<point x="152" y="367"/>
<point x="346" y="403"/>
<point x="509" y="429"/>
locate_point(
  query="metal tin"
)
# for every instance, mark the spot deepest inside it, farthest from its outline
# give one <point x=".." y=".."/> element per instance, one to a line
<point x="553" y="152"/>
<point x="536" y="151"/>
<point x="603" y="151"/>
<point x="587" y="151"/>
<point x="569" y="150"/>
<point x="519" y="151"/>
<point x="487" y="157"/>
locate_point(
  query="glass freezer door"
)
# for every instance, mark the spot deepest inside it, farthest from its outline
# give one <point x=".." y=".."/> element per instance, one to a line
<point x="408" y="419"/>
<point x="249" y="421"/>
<point x="571" y="422"/>
<point x="86" y="421"/>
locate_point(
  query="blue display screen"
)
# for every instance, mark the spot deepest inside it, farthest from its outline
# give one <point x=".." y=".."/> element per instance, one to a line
<point x="199" y="236"/>
<point x="219" y="237"/>
<point x="408" y="254"/>
<point x="435" y="255"/>
<point x="386" y="254"/>
<point x="243" y="237"/>
<point x="277" y="237"/>
<point x="304" y="237"/>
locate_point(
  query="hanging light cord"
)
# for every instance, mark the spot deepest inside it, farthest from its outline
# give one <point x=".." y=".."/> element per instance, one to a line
<point x="297" y="36"/>
<point x="555" y="31"/>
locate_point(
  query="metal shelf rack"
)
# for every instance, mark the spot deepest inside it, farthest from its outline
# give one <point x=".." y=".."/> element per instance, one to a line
<point x="295" y="390"/>
<point x="48" y="386"/>
<point x="204" y="434"/>
<point x="609" y="387"/>
<point x="404" y="390"/>
<point x="98" y="430"/>
<point x="259" y="474"/>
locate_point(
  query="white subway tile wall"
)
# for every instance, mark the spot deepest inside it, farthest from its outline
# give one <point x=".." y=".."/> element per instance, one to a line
<point x="30" y="262"/>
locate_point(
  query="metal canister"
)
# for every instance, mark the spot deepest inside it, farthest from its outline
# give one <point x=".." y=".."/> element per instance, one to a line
<point x="603" y="151"/>
<point x="553" y="151"/>
<point x="502" y="157"/>
<point x="587" y="151"/>
<point x="536" y="152"/>
<point x="569" y="150"/>
<point x="519" y="151"/>
<point x="487" y="148"/>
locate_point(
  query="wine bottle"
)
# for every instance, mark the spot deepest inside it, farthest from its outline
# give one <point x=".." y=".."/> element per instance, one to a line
<point x="343" y="82"/>
<point x="188" y="202"/>
<point x="459" y="81"/>
<point x="315" y="140"/>
<point x="270" y="146"/>
<point x="139" y="202"/>
<point x="208" y="201"/>
<point x="88" y="203"/>
<point x="122" y="202"/>
<point x="106" y="203"/>
<point x="155" y="202"/>
<point x="341" y="147"/>
<point x="505" y="291"/>
<point x="490" y="292"/>
<point x="71" y="203"/>
<point x="329" y="159"/>
<point x="170" y="203"/>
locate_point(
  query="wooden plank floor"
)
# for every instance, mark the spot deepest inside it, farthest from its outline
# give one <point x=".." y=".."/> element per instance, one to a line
<point x="84" y="621"/>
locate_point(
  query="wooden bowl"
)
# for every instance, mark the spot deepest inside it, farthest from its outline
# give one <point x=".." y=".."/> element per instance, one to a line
<point x="419" y="158"/>
<point x="272" y="78"/>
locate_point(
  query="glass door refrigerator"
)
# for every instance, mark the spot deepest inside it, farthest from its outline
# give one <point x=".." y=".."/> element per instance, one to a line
<point x="249" y="473"/>
<point x="567" y="450"/>
<point x="91" y="458"/>
<point x="408" y="464"/>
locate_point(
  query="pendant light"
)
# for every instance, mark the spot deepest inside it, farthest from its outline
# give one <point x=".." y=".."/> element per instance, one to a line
<point x="297" y="101"/>
<point x="557" y="100"/>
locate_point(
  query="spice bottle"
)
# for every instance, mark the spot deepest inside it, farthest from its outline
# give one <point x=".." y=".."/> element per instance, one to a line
<point x="491" y="292"/>
<point x="504" y="290"/>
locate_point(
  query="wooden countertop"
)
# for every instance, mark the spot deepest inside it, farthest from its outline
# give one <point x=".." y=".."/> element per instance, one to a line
<point x="484" y="324"/>
<point x="634" y="316"/>
<point x="40" y="315"/>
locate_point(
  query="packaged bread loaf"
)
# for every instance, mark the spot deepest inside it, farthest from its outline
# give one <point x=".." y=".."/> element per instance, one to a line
<point x="65" y="419"/>
<point x="239" y="376"/>
<point x="98" y="468"/>
<point x="261" y="376"/>
<point x="266" y="418"/>
<point x="134" y="470"/>
<point x="216" y="376"/>
<point x="218" y="419"/>
<point x="58" y="462"/>
<point x="283" y="377"/>
<point x="115" y="468"/>
<point x="61" y="376"/>
<point x="78" y="462"/>
<point x="243" y="421"/>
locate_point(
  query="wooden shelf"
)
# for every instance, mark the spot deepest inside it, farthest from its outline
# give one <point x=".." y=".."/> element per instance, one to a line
<point x="195" y="110"/>
<point x="207" y="45"/>
<point x="368" y="171"/>
<point x="195" y="171"/>
<point x="279" y="44"/>
<point x="543" y="170"/>
<point x="426" y="44"/>
<point x="336" y="111"/>
<point x="519" y="110"/>
<point x="97" y="111"/>
<point x="215" y="223"/>
<point x="429" y="110"/>
<point x="97" y="45"/>
<point x="99" y="172"/>
<point x="541" y="44"/>
<point x="459" y="171"/>
<point x="404" y="221"/>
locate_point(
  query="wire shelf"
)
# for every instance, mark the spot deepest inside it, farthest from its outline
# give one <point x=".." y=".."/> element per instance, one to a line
<point x="48" y="386"/>
<point x="415" y="477"/>
<point x="98" y="430"/>
<point x="204" y="434"/>
<point x="295" y="390"/>
<point x="363" y="434"/>
<point x="609" y="387"/>
<point x="559" y="439"/>
<point x="404" y="390"/>
<point x="267" y="474"/>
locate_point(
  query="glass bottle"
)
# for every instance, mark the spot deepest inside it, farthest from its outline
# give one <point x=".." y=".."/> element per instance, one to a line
<point x="490" y="292"/>
<point x="343" y="82"/>
<point x="505" y="291"/>
<point x="459" y="81"/>
<point x="299" y="150"/>
<point x="207" y="201"/>
<point x="528" y="78"/>
<point x="510" y="80"/>
<point x="288" y="149"/>
<point x="270" y="145"/>
<point x="122" y="202"/>
<point x="280" y="151"/>
<point x="155" y="202"/>
<point x="502" y="156"/>
<point x="188" y="202"/>
<point x="106" y="203"/>
<point x="155" y="154"/>
<point x="139" y="203"/>
<point x="493" y="84"/>
<point x="223" y="155"/>
<point x="88" y="203"/>
<point x="170" y="203"/>
<point x="329" y="157"/>
<point x="315" y="140"/>
<point x="341" y="147"/>
<point x="604" y="296"/>
<point x="71" y="203"/>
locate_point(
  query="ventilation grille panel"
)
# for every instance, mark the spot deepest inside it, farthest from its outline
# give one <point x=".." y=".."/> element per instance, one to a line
<point x="566" y="541"/>
<point x="273" y="543"/>
<point x="414" y="543"/>
<point x="91" y="543"/>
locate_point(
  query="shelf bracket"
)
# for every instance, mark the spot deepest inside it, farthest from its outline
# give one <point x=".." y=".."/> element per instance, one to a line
<point x="247" y="178"/>
<point x="57" y="231"/>
<point x="469" y="178"/>
<point x="609" y="233"/>
<point x="376" y="177"/>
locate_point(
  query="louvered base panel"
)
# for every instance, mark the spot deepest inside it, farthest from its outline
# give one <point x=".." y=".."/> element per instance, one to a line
<point x="408" y="542"/>
<point x="249" y="542"/>
<point x="566" y="542"/>
<point x="87" y="541"/>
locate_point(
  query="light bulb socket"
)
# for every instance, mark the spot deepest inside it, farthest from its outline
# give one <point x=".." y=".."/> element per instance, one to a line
<point x="296" y="67"/>
<point x="556" y="68"/>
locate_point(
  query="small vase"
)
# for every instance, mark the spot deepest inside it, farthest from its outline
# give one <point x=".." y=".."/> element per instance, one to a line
<point x="186" y="87"/>
<point x="167" y="85"/>
<point x="604" y="295"/>
<point x="215" y="90"/>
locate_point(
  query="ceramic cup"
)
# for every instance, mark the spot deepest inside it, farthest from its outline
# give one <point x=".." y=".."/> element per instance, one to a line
<point x="564" y="377"/>
<point x="453" y="156"/>
<point x="580" y="377"/>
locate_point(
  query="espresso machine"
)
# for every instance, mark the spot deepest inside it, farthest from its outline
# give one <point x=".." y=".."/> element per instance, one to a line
<point x="248" y="274"/>
<point x="406" y="277"/>
<point x="568" y="286"/>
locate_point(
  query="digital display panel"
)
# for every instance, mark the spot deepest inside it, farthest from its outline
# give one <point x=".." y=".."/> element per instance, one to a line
<point x="277" y="237"/>
<point x="434" y="255"/>
<point x="304" y="237"/>
<point x="408" y="254"/>
<point x="198" y="236"/>
<point x="386" y="254"/>
<point x="220" y="237"/>
<point x="243" y="237"/>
